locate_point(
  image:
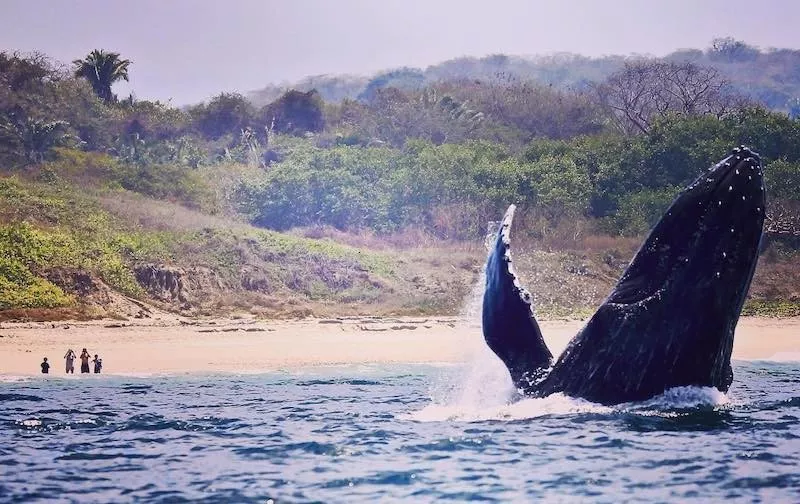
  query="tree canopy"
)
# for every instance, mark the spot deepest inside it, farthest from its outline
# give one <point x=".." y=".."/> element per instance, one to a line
<point x="102" y="69"/>
<point x="440" y="155"/>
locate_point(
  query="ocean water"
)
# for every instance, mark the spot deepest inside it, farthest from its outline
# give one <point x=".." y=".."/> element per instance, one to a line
<point x="393" y="433"/>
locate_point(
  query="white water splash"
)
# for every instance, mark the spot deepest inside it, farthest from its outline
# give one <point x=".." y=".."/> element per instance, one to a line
<point x="678" y="398"/>
<point x="556" y="404"/>
<point x="15" y="378"/>
<point x="482" y="389"/>
<point x="484" y="381"/>
<point x="681" y="398"/>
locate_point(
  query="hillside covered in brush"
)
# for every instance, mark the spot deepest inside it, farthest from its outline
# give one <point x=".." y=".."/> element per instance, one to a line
<point x="373" y="196"/>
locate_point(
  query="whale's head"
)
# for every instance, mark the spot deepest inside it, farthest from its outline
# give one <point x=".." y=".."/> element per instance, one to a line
<point x="693" y="271"/>
<point x="707" y="237"/>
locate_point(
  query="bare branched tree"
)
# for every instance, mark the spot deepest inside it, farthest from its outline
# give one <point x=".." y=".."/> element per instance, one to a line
<point x="535" y="109"/>
<point x="646" y="89"/>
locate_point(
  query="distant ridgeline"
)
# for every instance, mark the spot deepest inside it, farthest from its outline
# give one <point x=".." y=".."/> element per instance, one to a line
<point x="764" y="76"/>
<point x="99" y="190"/>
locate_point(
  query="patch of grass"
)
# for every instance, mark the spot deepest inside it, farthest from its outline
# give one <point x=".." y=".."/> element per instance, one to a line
<point x="554" y="312"/>
<point x="162" y="181"/>
<point x="32" y="250"/>
<point x="19" y="288"/>
<point x="47" y="223"/>
<point x="289" y="245"/>
<point x="44" y="227"/>
<point x="771" y="308"/>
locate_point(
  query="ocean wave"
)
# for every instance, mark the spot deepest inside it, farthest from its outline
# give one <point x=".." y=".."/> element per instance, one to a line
<point x="560" y="404"/>
<point x="4" y="378"/>
<point x="556" y="404"/>
<point x="393" y="434"/>
<point x="53" y="424"/>
<point x="682" y="398"/>
<point x="7" y="398"/>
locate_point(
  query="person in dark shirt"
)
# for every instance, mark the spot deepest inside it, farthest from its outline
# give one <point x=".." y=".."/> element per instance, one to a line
<point x="85" y="361"/>
<point x="45" y="366"/>
<point x="98" y="364"/>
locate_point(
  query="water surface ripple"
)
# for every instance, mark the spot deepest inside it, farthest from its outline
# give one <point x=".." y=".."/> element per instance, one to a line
<point x="392" y="433"/>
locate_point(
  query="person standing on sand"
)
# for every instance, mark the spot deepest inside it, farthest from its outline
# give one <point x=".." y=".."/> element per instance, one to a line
<point x="70" y="356"/>
<point x="85" y="361"/>
<point x="98" y="364"/>
<point x="45" y="366"/>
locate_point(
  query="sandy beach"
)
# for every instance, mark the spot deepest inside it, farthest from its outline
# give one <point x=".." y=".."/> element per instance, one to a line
<point x="170" y="346"/>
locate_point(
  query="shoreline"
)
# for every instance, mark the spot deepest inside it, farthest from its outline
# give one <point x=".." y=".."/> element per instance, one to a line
<point x="172" y="345"/>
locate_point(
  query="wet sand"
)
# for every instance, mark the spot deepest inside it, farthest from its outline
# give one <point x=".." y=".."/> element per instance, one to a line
<point x="172" y="346"/>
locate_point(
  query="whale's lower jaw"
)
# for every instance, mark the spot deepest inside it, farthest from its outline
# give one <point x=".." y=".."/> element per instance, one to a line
<point x="671" y="318"/>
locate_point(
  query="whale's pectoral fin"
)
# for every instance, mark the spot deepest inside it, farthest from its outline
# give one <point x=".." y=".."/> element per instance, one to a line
<point x="509" y="327"/>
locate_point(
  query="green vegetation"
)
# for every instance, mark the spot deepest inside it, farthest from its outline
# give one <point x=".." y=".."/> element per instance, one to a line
<point x="61" y="244"/>
<point x="51" y="229"/>
<point x="102" y="69"/>
<point x="772" y="308"/>
<point x="201" y="209"/>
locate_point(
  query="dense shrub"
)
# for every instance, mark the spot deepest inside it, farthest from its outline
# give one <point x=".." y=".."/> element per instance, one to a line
<point x="783" y="179"/>
<point x="294" y="113"/>
<point x="225" y="114"/>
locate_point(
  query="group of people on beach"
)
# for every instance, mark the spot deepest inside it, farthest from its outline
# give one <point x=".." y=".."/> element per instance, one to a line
<point x="70" y="357"/>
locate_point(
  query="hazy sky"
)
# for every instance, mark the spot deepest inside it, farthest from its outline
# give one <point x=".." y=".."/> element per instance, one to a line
<point x="189" y="50"/>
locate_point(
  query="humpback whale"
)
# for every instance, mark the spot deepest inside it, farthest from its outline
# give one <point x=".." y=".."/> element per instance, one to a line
<point x="669" y="321"/>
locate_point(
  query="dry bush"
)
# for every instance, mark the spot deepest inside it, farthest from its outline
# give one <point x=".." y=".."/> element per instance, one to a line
<point x="778" y="279"/>
<point x="533" y="230"/>
<point x="162" y="215"/>
<point x="409" y="238"/>
<point x="623" y="245"/>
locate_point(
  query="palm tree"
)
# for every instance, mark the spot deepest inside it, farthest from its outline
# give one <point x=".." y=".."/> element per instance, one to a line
<point x="102" y="69"/>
